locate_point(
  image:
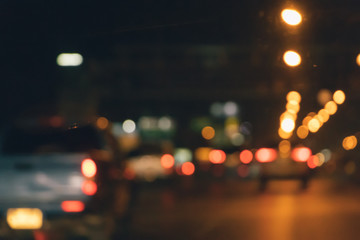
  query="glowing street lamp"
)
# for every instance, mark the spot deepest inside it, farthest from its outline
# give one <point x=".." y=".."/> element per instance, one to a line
<point x="291" y="17"/>
<point x="292" y="58"/>
<point x="69" y="59"/>
<point x="287" y="125"/>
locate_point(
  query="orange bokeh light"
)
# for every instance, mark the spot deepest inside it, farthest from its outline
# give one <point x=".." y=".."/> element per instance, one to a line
<point x="188" y="168"/>
<point x="331" y="107"/>
<point x="283" y="134"/>
<point x="246" y="156"/>
<point x="167" y="161"/>
<point x="293" y="96"/>
<point x="102" y="122"/>
<point x="302" y="132"/>
<point x="266" y="155"/>
<point x="217" y="156"/>
<point x="339" y="97"/>
<point x="208" y="132"/>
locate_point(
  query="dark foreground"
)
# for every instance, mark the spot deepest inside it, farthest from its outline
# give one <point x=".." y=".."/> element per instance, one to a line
<point x="237" y="210"/>
<point x="230" y="209"/>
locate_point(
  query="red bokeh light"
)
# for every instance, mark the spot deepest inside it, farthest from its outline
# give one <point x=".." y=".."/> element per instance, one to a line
<point x="246" y="156"/>
<point x="188" y="168"/>
<point x="72" y="206"/>
<point x="301" y="154"/>
<point x="311" y="162"/>
<point x="167" y="161"/>
<point x="217" y="156"/>
<point x="264" y="155"/>
<point x="89" y="188"/>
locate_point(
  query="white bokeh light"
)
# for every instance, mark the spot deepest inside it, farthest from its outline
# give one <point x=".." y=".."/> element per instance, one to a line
<point x="129" y="126"/>
<point x="69" y="59"/>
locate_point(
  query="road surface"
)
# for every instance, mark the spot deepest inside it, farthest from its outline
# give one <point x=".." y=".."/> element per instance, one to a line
<point x="237" y="210"/>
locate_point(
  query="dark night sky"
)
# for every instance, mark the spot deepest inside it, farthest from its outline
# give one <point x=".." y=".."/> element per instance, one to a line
<point x="34" y="32"/>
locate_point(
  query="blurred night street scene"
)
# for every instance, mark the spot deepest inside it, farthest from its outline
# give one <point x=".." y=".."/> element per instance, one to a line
<point x="180" y="120"/>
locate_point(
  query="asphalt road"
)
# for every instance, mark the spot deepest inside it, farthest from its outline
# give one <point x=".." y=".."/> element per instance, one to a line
<point x="237" y="210"/>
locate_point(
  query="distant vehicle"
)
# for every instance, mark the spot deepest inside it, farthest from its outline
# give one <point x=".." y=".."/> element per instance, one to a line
<point x="49" y="174"/>
<point x="144" y="163"/>
<point x="274" y="167"/>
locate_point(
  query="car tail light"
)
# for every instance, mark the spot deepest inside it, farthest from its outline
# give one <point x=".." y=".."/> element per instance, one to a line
<point x="89" y="187"/>
<point x="301" y="154"/>
<point x="264" y="155"/>
<point x="72" y="206"/>
<point x="217" y="156"/>
<point x="188" y="168"/>
<point x="88" y="168"/>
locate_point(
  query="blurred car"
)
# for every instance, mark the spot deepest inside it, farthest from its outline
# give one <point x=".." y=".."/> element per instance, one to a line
<point x="74" y="174"/>
<point x="274" y="167"/>
<point x="144" y="163"/>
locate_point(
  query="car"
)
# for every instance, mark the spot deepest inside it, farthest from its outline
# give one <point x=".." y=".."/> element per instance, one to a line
<point x="72" y="174"/>
<point x="273" y="166"/>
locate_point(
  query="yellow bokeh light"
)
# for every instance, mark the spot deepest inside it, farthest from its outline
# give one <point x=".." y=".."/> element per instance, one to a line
<point x="320" y="119"/>
<point x="321" y="159"/>
<point x="202" y="154"/>
<point x="293" y="96"/>
<point x="358" y="59"/>
<point x="311" y="114"/>
<point x="331" y="107"/>
<point x="102" y="123"/>
<point x="314" y="125"/>
<point x="302" y="132"/>
<point x="291" y="17"/>
<point x="293" y="106"/>
<point x="306" y="120"/>
<point x="288" y="115"/>
<point x="284" y="146"/>
<point x="287" y="125"/>
<point x="349" y="143"/>
<point x="24" y="218"/>
<point x="284" y="135"/>
<point x="292" y="58"/>
<point x="339" y="97"/>
<point x="208" y="132"/>
<point x="324" y="115"/>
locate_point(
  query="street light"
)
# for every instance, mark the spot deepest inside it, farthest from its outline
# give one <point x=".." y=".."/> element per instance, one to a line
<point x="287" y="125"/>
<point x="291" y="17"/>
<point x="339" y="97"/>
<point x="292" y="58"/>
<point x="69" y="59"/>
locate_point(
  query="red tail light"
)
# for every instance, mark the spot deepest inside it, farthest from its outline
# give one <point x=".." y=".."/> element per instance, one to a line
<point x="266" y="155"/>
<point x="246" y="156"/>
<point x="301" y="154"/>
<point x="88" y="168"/>
<point x="188" y="168"/>
<point x="167" y="161"/>
<point x="217" y="156"/>
<point x="89" y="188"/>
<point x="72" y="206"/>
